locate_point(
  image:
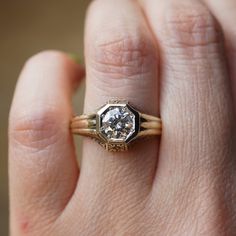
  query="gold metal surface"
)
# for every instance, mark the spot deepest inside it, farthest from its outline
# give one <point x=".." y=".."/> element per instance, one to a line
<point x="28" y="27"/>
<point x="86" y="125"/>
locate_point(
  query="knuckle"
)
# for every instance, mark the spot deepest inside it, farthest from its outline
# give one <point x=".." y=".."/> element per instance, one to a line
<point x="191" y="27"/>
<point x="43" y="57"/>
<point x="122" y="56"/>
<point x="36" y="130"/>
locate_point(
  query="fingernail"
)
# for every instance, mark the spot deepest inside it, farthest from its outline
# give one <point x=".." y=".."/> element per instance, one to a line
<point x="76" y="58"/>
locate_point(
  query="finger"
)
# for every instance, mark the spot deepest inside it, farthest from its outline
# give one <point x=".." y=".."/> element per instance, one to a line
<point x="225" y="12"/>
<point x="121" y="61"/>
<point x="43" y="169"/>
<point x="196" y="106"/>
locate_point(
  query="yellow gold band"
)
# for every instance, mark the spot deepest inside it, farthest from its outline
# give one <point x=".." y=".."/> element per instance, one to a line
<point x="115" y="125"/>
<point x="85" y="125"/>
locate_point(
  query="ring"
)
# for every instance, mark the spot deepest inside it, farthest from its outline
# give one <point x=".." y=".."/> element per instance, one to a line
<point x="115" y="125"/>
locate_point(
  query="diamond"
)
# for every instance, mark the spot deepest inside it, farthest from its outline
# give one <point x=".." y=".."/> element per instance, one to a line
<point x="117" y="123"/>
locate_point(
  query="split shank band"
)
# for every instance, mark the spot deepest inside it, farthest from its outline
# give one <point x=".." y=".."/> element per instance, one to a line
<point x="115" y="125"/>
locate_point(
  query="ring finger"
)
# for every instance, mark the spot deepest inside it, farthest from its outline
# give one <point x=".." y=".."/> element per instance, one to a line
<point x="121" y="61"/>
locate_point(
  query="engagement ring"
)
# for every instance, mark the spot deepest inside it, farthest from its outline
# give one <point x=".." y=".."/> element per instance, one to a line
<point x="115" y="125"/>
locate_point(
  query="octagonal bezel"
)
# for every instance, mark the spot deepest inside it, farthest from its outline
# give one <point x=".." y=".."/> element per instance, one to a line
<point x="104" y="109"/>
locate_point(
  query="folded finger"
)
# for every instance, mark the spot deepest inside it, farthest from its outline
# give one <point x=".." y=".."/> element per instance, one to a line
<point x="42" y="162"/>
<point x="225" y="13"/>
<point x="196" y="108"/>
<point x="121" y="62"/>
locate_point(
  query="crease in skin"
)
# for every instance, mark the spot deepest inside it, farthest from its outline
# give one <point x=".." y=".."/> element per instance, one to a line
<point x="188" y="48"/>
<point x="128" y="56"/>
<point x="35" y="133"/>
<point x="42" y="169"/>
<point x="134" y="61"/>
<point x="174" y="211"/>
<point x="37" y="127"/>
<point x="206" y="102"/>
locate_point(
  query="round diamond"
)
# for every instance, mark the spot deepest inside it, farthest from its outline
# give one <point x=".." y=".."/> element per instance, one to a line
<point x="117" y="123"/>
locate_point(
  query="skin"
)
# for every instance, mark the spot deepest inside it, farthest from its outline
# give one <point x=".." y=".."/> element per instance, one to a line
<point x="170" y="58"/>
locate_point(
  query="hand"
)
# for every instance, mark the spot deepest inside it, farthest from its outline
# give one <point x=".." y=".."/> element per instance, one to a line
<point x="167" y="58"/>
